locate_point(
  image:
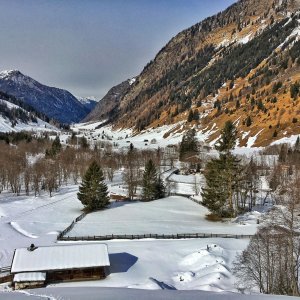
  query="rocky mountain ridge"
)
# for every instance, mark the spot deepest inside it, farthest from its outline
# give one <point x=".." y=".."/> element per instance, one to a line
<point x="56" y="103"/>
<point x="242" y="64"/>
<point x="106" y="107"/>
<point x="88" y="102"/>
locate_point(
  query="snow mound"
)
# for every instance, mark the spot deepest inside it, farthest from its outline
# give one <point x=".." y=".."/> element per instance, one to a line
<point x="205" y="269"/>
<point x="18" y="228"/>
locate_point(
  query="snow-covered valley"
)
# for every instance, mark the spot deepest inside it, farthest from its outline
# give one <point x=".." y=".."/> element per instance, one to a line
<point x="192" y="266"/>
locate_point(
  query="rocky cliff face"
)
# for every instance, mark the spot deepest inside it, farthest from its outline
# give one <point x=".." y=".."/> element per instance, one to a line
<point x="107" y="107"/>
<point x="242" y="64"/>
<point x="56" y="103"/>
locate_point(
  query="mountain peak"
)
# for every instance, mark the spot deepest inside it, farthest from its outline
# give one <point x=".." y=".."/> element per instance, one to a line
<point x="9" y="73"/>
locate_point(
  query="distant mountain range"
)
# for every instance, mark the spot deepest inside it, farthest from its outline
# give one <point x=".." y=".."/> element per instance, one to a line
<point x="108" y="105"/>
<point x="242" y="64"/>
<point x="55" y="103"/>
<point x="88" y="102"/>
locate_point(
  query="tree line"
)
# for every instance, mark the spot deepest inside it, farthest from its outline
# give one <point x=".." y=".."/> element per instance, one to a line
<point x="32" y="165"/>
<point x="271" y="261"/>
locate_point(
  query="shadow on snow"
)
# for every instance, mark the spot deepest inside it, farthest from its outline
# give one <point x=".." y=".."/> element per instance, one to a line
<point x="121" y="262"/>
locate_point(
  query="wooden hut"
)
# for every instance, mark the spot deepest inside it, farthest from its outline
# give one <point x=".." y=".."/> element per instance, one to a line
<point x="38" y="266"/>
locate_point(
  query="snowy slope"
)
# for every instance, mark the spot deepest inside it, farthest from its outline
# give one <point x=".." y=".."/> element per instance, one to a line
<point x="6" y="125"/>
<point x="56" y="103"/>
<point x="88" y="102"/>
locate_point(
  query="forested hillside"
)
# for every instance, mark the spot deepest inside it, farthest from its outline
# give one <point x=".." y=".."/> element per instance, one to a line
<point x="241" y="65"/>
<point x="14" y="111"/>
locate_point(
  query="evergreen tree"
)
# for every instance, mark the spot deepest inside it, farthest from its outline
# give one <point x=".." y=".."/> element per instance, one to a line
<point x="251" y="183"/>
<point x="196" y="115"/>
<point x="214" y="195"/>
<point x="131" y="147"/>
<point x="93" y="192"/>
<point x="56" y="145"/>
<point x="188" y="145"/>
<point x="248" y="121"/>
<point x="84" y="143"/>
<point x="228" y="138"/>
<point x="190" y="116"/>
<point x="223" y="176"/>
<point x="55" y="148"/>
<point x="283" y="154"/>
<point x="153" y="187"/>
<point x="160" y="189"/>
<point x="294" y="90"/>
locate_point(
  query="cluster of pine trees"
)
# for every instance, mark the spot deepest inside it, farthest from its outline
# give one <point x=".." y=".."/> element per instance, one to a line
<point x="93" y="192"/>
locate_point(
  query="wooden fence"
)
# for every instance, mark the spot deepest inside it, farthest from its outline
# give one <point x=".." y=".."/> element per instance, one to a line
<point x="4" y="270"/>
<point x="70" y="227"/>
<point x="152" y="236"/>
<point x="196" y="201"/>
<point x="6" y="278"/>
<point x="5" y="275"/>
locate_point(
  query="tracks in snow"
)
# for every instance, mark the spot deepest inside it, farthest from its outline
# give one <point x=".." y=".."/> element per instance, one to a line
<point x="32" y="210"/>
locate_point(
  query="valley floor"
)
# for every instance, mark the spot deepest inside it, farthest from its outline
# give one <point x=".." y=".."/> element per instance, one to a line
<point x="199" y="264"/>
<point x="148" y="264"/>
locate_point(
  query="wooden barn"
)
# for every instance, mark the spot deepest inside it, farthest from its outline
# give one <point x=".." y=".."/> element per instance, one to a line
<point x="38" y="266"/>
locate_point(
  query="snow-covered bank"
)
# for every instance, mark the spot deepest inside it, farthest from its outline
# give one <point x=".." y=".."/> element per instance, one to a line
<point x="18" y="228"/>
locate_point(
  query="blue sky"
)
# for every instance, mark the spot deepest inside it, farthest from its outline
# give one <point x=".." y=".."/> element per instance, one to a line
<point x="88" y="46"/>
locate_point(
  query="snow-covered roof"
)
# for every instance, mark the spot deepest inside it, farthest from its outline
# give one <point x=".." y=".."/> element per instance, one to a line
<point x="30" y="276"/>
<point x="60" y="257"/>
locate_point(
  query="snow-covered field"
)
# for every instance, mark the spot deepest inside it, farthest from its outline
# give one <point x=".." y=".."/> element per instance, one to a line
<point x="170" y="215"/>
<point x="28" y="219"/>
<point x="201" y="264"/>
